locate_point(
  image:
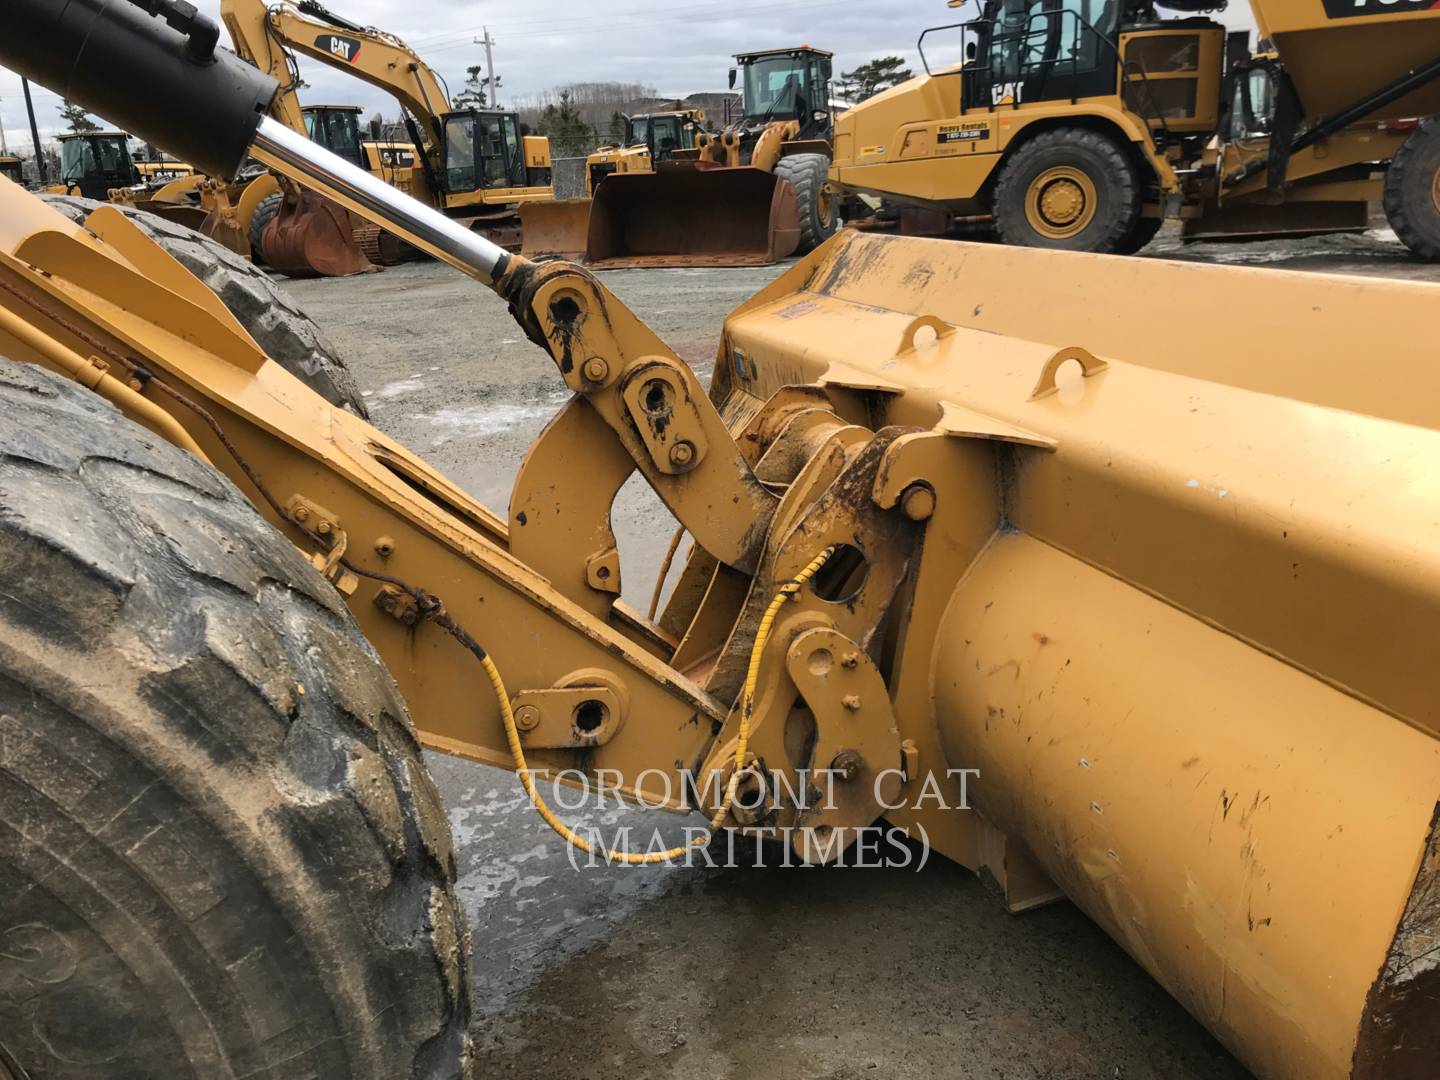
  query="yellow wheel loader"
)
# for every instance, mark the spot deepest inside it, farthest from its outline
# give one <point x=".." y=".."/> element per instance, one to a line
<point x="979" y="546"/>
<point x="749" y="195"/>
<point x="562" y="227"/>
<point x="475" y="165"/>
<point x="1085" y="126"/>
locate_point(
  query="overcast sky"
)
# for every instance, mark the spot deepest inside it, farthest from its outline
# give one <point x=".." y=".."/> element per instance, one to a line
<point x="678" y="46"/>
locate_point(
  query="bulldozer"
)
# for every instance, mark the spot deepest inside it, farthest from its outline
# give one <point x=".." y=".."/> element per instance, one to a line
<point x="1086" y="127"/>
<point x="751" y="194"/>
<point x="977" y="543"/>
<point x="475" y="165"/>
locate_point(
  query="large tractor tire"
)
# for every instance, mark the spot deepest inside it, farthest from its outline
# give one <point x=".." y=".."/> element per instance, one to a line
<point x="1412" y="191"/>
<point x="1141" y="233"/>
<point x="807" y="174"/>
<point x="287" y="334"/>
<point x="267" y="209"/>
<point x="1072" y="189"/>
<point x="221" y="855"/>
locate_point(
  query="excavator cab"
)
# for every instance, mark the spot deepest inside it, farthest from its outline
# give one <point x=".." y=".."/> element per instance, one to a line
<point x="93" y="162"/>
<point x="337" y="128"/>
<point x="483" y="150"/>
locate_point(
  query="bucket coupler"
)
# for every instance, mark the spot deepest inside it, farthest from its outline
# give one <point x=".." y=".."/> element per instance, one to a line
<point x="1170" y="609"/>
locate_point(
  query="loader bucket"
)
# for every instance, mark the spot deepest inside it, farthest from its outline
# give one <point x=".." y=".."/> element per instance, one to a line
<point x="312" y="237"/>
<point x="692" y="214"/>
<point x="1181" y="621"/>
<point x="558" y="228"/>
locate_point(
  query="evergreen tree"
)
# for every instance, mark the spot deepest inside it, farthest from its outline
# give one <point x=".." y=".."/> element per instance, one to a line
<point x="867" y="80"/>
<point x="473" y="94"/>
<point x="76" y="117"/>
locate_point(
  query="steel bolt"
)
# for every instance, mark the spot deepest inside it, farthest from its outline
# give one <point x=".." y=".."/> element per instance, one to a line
<point x="846" y="764"/>
<point x="851" y="702"/>
<point x="302" y="514"/>
<point x="324" y="528"/>
<point x="682" y="454"/>
<point x="595" y="370"/>
<point x="384" y="546"/>
<point x="527" y="718"/>
<point x="850" y="660"/>
<point x="918" y="502"/>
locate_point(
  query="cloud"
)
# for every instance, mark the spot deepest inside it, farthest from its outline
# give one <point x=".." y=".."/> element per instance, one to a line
<point x="678" y="46"/>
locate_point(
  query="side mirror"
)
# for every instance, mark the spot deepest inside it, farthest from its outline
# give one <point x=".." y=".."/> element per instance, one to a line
<point x="971" y="51"/>
<point x="732" y="78"/>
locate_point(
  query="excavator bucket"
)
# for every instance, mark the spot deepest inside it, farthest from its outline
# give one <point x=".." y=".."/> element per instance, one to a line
<point x="689" y="213"/>
<point x="560" y="228"/>
<point x="312" y="237"/>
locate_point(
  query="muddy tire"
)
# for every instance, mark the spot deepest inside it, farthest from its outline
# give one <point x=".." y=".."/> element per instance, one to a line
<point x="807" y="174"/>
<point x="221" y="855"/>
<point x="1070" y="189"/>
<point x="1412" y="191"/>
<point x="1141" y="233"/>
<point x="267" y="209"/>
<point x="287" y="334"/>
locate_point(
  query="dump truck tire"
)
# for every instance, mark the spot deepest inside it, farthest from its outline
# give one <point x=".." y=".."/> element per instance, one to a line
<point x="1412" y="191"/>
<point x="1141" y="233"/>
<point x="287" y="334"/>
<point x="1071" y="189"/>
<point x="267" y="209"/>
<point x="221" y="855"/>
<point x="807" y="174"/>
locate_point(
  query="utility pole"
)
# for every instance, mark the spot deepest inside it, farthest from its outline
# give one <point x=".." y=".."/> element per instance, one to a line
<point x="34" y="131"/>
<point x="4" y="149"/>
<point x="489" y="44"/>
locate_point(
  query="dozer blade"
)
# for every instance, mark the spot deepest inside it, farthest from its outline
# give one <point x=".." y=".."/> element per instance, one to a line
<point x="312" y="237"/>
<point x="692" y="214"/>
<point x="558" y="228"/>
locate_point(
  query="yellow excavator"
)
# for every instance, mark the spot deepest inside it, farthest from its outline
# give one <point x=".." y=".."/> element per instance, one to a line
<point x="475" y="165"/>
<point x="994" y="547"/>
<point x="1085" y="126"/>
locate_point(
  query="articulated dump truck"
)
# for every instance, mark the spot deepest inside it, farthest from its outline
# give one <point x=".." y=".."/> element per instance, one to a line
<point x="1085" y="126"/>
<point x="1168" y="602"/>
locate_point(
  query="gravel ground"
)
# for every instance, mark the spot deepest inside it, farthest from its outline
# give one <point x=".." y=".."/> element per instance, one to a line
<point x="594" y="973"/>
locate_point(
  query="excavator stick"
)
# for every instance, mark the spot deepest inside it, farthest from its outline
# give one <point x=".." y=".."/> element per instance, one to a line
<point x="555" y="229"/>
<point x="690" y="213"/>
<point x="310" y="236"/>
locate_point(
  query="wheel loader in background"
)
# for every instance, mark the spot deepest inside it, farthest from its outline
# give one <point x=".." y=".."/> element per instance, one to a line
<point x="475" y="164"/>
<point x="749" y="195"/>
<point x="11" y="168"/>
<point x="1085" y="126"/>
<point x="648" y="138"/>
<point x="1097" y="609"/>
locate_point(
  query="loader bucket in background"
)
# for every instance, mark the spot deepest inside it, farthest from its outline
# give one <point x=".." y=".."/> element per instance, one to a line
<point x="559" y="228"/>
<point x="312" y="237"/>
<point x="692" y="214"/>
